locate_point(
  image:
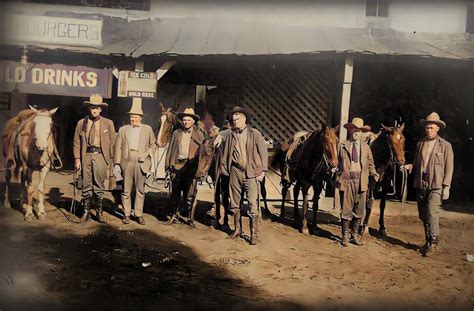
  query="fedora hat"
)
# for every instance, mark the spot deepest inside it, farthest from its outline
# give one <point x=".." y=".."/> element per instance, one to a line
<point x="357" y="123"/>
<point x="95" y="100"/>
<point x="245" y="111"/>
<point x="188" y="112"/>
<point x="433" y="118"/>
<point x="136" y="107"/>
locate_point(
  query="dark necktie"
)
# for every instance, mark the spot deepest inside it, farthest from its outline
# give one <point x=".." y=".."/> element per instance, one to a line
<point x="355" y="154"/>
<point x="92" y="134"/>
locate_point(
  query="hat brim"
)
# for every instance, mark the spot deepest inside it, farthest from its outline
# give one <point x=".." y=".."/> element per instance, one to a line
<point x="136" y="113"/>
<point x="440" y="123"/>
<point x="245" y="111"/>
<point x="194" y="116"/>
<point x="351" y="126"/>
<point x="94" y="104"/>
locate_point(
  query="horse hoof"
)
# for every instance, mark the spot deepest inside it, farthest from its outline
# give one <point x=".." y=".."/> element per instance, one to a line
<point x="29" y="218"/>
<point x="7" y="204"/>
<point x="42" y="216"/>
<point x="305" y="231"/>
<point x="383" y="233"/>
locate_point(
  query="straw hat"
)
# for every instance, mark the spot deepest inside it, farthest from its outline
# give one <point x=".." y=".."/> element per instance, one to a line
<point x="433" y="118"/>
<point x="357" y="123"/>
<point x="136" y="107"/>
<point x="95" y="100"/>
<point x="245" y="111"/>
<point x="188" y="112"/>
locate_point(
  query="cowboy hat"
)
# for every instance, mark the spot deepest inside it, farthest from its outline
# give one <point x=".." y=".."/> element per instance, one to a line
<point x="136" y="107"/>
<point x="95" y="100"/>
<point x="188" y="112"/>
<point x="357" y="123"/>
<point x="433" y="118"/>
<point x="245" y="111"/>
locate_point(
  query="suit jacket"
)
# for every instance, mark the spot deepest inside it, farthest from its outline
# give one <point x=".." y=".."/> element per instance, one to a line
<point x="197" y="138"/>
<point x="440" y="165"/>
<point x="257" y="154"/>
<point x="366" y="163"/>
<point x="107" y="139"/>
<point x="146" y="146"/>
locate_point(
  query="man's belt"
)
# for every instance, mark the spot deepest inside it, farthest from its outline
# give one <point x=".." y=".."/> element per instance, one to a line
<point x="354" y="174"/>
<point x="133" y="150"/>
<point x="238" y="166"/>
<point x="182" y="161"/>
<point x="93" y="149"/>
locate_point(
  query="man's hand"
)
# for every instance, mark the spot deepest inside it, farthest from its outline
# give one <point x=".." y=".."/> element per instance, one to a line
<point x="217" y="141"/>
<point x="77" y="164"/>
<point x="445" y="193"/>
<point x="261" y="177"/>
<point x="409" y="168"/>
<point x="376" y="177"/>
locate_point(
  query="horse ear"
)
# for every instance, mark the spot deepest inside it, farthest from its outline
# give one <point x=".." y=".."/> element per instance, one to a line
<point x="402" y="127"/>
<point x="33" y="108"/>
<point x="337" y="128"/>
<point x="162" y="107"/>
<point x="53" y="111"/>
<point x="386" y="128"/>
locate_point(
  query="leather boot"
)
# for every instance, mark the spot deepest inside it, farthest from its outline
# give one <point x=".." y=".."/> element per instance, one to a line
<point x="98" y="208"/>
<point x="86" y="204"/>
<point x="433" y="246"/>
<point x="237" y="231"/>
<point x="356" y="238"/>
<point x="345" y="232"/>
<point x="254" y="229"/>
<point x="426" y="246"/>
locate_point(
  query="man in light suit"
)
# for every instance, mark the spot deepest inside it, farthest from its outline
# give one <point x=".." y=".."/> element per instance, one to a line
<point x="133" y="151"/>
<point x="94" y="140"/>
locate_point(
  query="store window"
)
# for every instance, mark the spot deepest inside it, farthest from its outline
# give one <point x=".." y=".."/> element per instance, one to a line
<point x="377" y="8"/>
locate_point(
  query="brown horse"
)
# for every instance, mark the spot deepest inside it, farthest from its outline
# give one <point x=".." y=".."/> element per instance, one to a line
<point x="169" y="121"/>
<point x="308" y="160"/>
<point x="28" y="148"/>
<point x="389" y="157"/>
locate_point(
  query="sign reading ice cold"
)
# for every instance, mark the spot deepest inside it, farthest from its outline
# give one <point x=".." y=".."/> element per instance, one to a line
<point x="53" y="30"/>
<point x="137" y="84"/>
<point x="55" y="79"/>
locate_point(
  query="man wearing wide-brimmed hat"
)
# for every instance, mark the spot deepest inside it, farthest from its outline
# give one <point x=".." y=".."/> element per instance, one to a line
<point x="94" y="140"/>
<point x="134" y="148"/>
<point x="182" y="161"/>
<point x="434" y="165"/>
<point x="245" y="161"/>
<point x="356" y="163"/>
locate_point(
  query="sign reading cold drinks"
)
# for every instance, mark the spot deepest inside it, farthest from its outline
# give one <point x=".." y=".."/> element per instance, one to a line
<point x="55" y="79"/>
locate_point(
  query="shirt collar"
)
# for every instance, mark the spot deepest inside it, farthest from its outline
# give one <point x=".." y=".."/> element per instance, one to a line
<point x="238" y="131"/>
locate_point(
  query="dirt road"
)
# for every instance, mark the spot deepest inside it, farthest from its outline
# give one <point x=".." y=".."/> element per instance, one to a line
<point x="59" y="264"/>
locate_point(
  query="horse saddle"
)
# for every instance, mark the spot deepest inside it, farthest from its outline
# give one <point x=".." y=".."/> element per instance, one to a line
<point x="295" y="151"/>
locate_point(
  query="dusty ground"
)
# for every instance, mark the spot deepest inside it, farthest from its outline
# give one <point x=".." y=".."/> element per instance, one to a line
<point x="59" y="264"/>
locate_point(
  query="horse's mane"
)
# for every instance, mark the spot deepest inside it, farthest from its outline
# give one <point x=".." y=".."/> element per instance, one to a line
<point x="380" y="150"/>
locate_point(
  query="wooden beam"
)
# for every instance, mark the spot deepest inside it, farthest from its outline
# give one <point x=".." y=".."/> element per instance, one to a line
<point x="346" y="96"/>
<point x="164" y="69"/>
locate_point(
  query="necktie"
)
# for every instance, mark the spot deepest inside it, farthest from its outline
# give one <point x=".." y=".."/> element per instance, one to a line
<point x="92" y="134"/>
<point x="355" y="154"/>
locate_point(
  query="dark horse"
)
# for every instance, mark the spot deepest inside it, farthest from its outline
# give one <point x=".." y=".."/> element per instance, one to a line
<point x="388" y="149"/>
<point x="209" y="166"/>
<point x="308" y="161"/>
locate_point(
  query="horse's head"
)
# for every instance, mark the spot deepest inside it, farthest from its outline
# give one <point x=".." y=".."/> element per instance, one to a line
<point x="43" y="124"/>
<point x="396" y="141"/>
<point x="206" y="155"/>
<point x="330" y="142"/>
<point x="168" y="122"/>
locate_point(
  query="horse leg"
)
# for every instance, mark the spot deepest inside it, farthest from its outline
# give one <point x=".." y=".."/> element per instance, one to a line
<point x="42" y="178"/>
<point x="263" y="192"/>
<point x="383" y="200"/>
<point x="296" y="193"/>
<point x="317" y="193"/>
<point x="29" y="192"/>
<point x="368" y="211"/>
<point x="284" y="192"/>
<point x="8" y="175"/>
<point x="304" y="221"/>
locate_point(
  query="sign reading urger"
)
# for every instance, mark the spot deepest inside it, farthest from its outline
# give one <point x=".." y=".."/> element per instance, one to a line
<point x="55" y="79"/>
<point x="51" y="30"/>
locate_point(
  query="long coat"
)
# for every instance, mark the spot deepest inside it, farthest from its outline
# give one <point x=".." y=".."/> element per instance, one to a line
<point x="257" y="154"/>
<point x="146" y="145"/>
<point x="366" y="163"/>
<point x="440" y="165"/>
<point x="107" y="139"/>
<point x="197" y="138"/>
